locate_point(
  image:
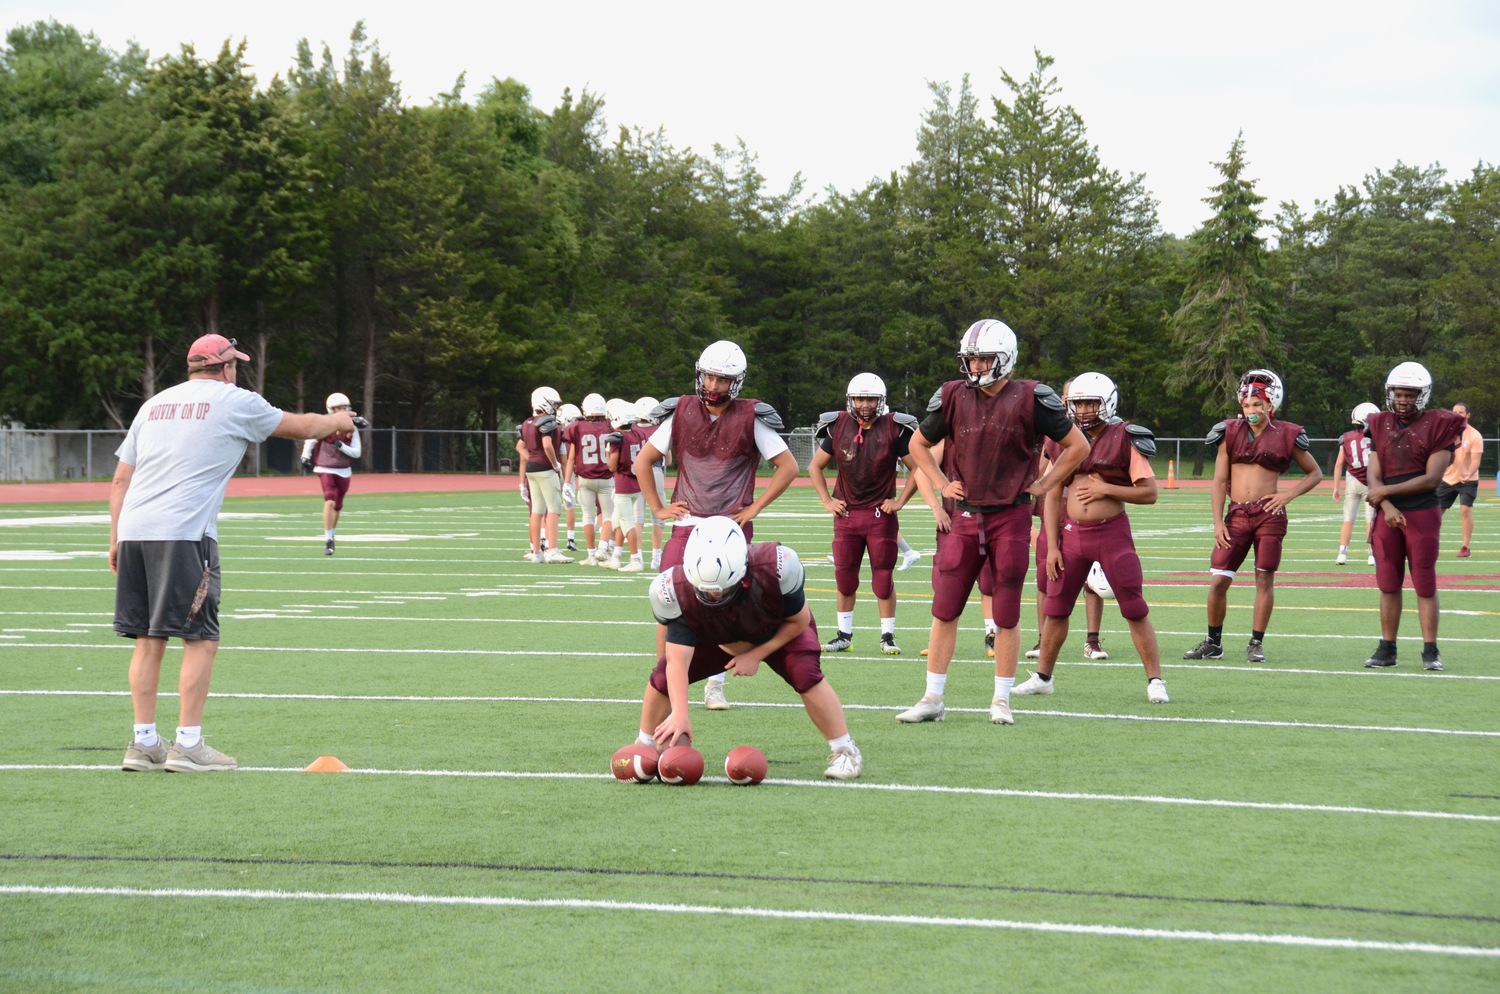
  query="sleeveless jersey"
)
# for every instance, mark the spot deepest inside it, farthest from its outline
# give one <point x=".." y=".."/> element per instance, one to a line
<point x="631" y="441"/>
<point x="755" y="612"/>
<point x="716" y="459"/>
<point x="866" y="459"/>
<point x="531" y="436"/>
<point x="328" y="455"/>
<point x="587" y="439"/>
<point x="1403" y="451"/>
<point x="994" y="442"/>
<point x="1356" y="449"/>
<point x="1272" y="450"/>
<point x="1109" y="456"/>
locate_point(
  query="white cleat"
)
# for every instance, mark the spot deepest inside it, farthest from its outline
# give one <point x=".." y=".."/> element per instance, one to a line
<point x="845" y="764"/>
<point x="1035" y="652"/>
<point x="555" y="556"/>
<point x="929" y="708"/>
<point x="1000" y="712"/>
<point x="589" y="560"/>
<point x="634" y="566"/>
<point x="1093" y="650"/>
<point x="713" y="696"/>
<point x="908" y="559"/>
<point x="1156" y="691"/>
<point x="1342" y="559"/>
<point x="1371" y="560"/>
<point x="613" y="562"/>
<point x="530" y="557"/>
<point x="1033" y="685"/>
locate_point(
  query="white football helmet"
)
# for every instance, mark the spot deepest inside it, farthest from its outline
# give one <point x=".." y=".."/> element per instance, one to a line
<point x="724" y="359"/>
<point x="1093" y="386"/>
<point x="567" y="414"/>
<point x="1098" y="582"/>
<point x="594" y="407"/>
<point x="621" y="413"/>
<point x="866" y="385"/>
<point x="1409" y="376"/>
<point x="1362" y="413"/>
<point x="1269" y="384"/>
<point x="544" y="400"/>
<point x="644" y="407"/>
<point x="716" y="558"/>
<point x="338" y="402"/>
<point x="988" y="337"/>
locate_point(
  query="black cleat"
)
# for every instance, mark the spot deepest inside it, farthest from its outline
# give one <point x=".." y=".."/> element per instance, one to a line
<point x="328" y="547"/>
<point x="1384" y="656"/>
<point x="1207" y="649"/>
<point x="1432" y="661"/>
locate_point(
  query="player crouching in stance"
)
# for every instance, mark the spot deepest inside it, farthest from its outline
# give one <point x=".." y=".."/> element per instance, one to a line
<point x="863" y="443"/>
<point x="1410" y="449"/>
<point x="1254" y="451"/>
<point x="730" y="606"/>
<point x="1088" y="525"/>
<point x="330" y="459"/>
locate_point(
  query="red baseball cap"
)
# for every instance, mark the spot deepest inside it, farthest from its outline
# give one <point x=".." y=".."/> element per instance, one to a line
<point x="211" y="350"/>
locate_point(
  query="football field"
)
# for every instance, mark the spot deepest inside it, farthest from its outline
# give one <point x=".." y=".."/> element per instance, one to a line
<point x="1297" y="824"/>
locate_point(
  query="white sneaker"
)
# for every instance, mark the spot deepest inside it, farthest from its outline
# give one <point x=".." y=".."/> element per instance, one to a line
<point x="589" y="560"/>
<point x="713" y="696"/>
<point x="530" y="557"/>
<point x="1034" y="685"/>
<point x="1371" y="560"/>
<point x="1093" y="650"/>
<point x="1035" y="652"/>
<point x="1342" y="559"/>
<point x="1000" y="712"/>
<point x="1156" y="691"/>
<point x="845" y="764"/>
<point x="555" y="556"/>
<point x="634" y="566"/>
<point x="909" y="557"/>
<point x="613" y="562"/>
<point x="929" y="708"/>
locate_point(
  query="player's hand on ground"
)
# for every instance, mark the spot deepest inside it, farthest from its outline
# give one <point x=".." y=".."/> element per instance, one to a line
<point x="743" y="664"/>
<point x="675" y="730"/>
<point x="836" y="507"/>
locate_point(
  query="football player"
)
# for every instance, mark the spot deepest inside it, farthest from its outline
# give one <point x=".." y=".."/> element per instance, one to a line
<point x="1254" y="450"/>
<point x="730" y="606"/>
<point x="644" y="407"/>
<point x="993" y="425"/>
<point x="536" y="444"/>
<point x="864" y="442"/>
<point x="720" y="439"/>
<point x="621" y="446"/>
<point x="566" y="415"/>
<point x="1410" y="450"/>
<point x="1086" y="525"/>
<point x="1350" y="487"/>
<point x="1461" y="482"/>
<point x="332" y="459"/>
<point x="596" y="485"/>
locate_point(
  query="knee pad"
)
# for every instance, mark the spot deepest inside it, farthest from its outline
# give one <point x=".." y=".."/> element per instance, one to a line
<point x="883" y="583"/>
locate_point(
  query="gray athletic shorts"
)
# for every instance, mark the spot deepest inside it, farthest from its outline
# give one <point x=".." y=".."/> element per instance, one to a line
<point x="155" y="588"/>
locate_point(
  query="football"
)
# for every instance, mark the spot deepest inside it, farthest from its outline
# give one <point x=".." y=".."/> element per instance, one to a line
<point x="634" y="763"/>
<point x="745" y="765"/>
<point x="1099" y="583"/>
<point x="680" y="766"/>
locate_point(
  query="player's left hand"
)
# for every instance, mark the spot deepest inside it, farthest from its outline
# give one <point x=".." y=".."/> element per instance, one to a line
<point x="1276" y="503"/>
<point x="889" y="506"/>
<point x="674" y="730"/>
<point x="744" y="515"/>
<point x="743" y="664"/>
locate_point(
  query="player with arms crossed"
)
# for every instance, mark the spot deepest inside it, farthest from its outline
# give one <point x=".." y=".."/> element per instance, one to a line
<point x="1410" y="449"/>
<point x="720" y="439"/>
<point x="863" y="442"/>
<point x="1351" y="487"/>
<point x="993" y="426"/>
<point x="1254" y="450"/>
<point x="1086" y="524"/>
<point x="728" y="606"/>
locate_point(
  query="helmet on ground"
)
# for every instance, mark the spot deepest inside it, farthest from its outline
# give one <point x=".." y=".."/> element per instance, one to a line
<point x="594" y="407"/>
<point x="1409" y="376"/>
<point x="991" y="338"/>
<point x="1264" y="384"/>
<point x="338" y="402"/>
<point x="866" y="385"/>
<point x="1092" y="386"/>
<point x="726" y="360"/>
<point x="715" y="558"/>
<point x="544" y="400"/>
<point x="567" y="414"/>
<point x="621" y="413"/>
<point x="644" y="407"/>
<point x="1362" y="413"/>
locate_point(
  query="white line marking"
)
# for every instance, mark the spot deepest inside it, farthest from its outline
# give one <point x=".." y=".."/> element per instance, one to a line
<point x="791" y="914"/>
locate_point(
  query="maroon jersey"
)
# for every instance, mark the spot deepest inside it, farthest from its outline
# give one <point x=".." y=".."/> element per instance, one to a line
<point x="1404" y="449"/>
<point x="1271" y="449"/>
<point x="587" y="440"/>
<point x="866" y="457"/>
<point x="993" y="442"/>
<point x="716" y="458"/>
<point x="1109" y="456"/>
<point x="631" y="441"/>
<point x="755" y="612"/>
<point x="328" y="455"/>
<point x="1356" y="449"/>
<point x="533" y="429"/>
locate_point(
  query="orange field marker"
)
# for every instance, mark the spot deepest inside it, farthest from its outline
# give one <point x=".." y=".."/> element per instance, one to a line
<point x="326" y="764"/>
<point x="1171" y="475"/>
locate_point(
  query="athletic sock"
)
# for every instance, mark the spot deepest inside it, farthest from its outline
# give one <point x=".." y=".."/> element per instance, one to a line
<point x="1216" y="634"/>
<point x="1002" y="687"/>
<point x="327" y="533"/>
<point x="1044" y="677"/>
<point x="903" y="545"/>
<point x="188" y="736"/>
<point x="1093" y="636"/>
<point x="146" y="735"/>
<point x="718" y="678"/>
<point x="645" y="739"/>
<point x="936" y="683"/>
<point x="1257" y="636"/>
<point x="845" y="621"/>
<point x="990" y="628"/>
<point x="887" y="626"/>
<point x="842" y="743"/>
<point x="1343" y="550"/>
<point x="1429" y="648"/>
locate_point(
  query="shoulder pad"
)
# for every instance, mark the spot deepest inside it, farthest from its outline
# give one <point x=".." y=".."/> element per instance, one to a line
<point x="824" y="428"/>
<point x="1215" y="435"/>
<point x="767" y="413"/>
<point x="1142" y="438"/>
<point x="663" y="411"/>
<point x="906" y="422"/>
<point x="1048" y="397"/>
<point x="613" y="438"/>
<point x="937" y="399"/>
<point x="546" y="424"/>
<point x="1302" y="440"/>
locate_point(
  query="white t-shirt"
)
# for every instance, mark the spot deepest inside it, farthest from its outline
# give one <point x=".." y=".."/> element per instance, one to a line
<point x="767" y="441"/>
<point x="185" y="443"/>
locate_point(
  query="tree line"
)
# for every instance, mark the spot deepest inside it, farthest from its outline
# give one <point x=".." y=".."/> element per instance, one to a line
<point x="437" y="262"/>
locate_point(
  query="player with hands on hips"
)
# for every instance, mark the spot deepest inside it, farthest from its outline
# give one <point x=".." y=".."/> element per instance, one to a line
<point x="730" y="606"/>
<point x="332" y="459"/>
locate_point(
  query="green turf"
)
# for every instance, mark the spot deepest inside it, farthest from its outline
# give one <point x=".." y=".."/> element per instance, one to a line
<point x="1301" y="824"/>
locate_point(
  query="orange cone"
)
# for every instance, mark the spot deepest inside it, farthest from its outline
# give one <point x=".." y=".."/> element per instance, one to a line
<point x="326" y="764"/>
<point x="1171" y="475"/>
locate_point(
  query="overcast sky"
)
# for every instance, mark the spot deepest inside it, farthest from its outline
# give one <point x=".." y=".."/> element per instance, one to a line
<point x="1325" y="93"/>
